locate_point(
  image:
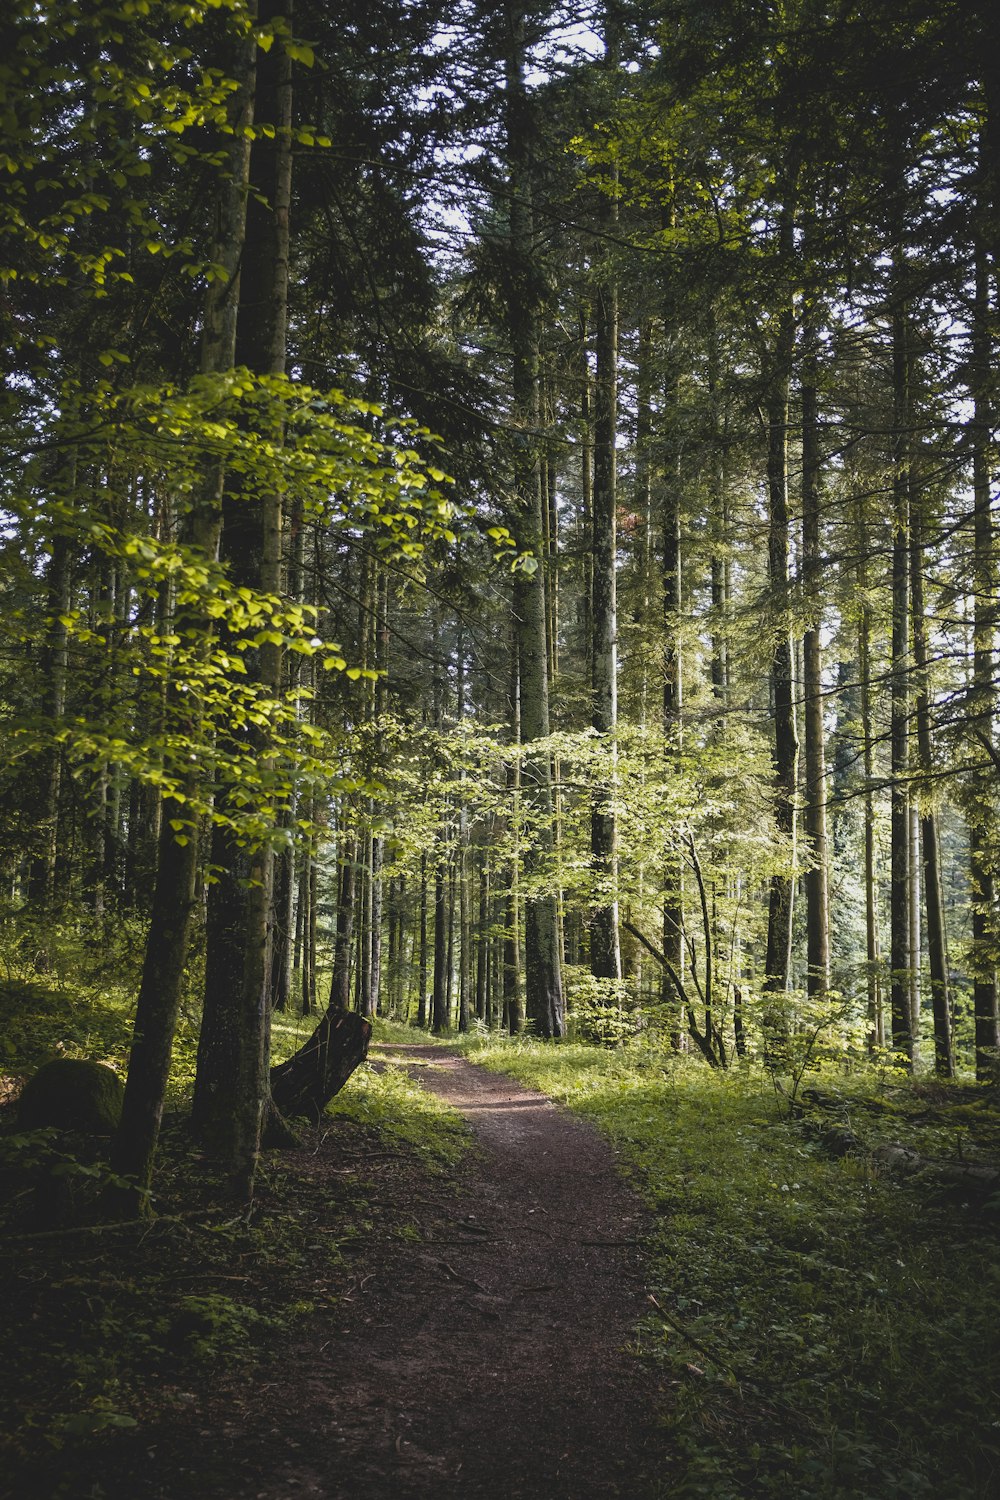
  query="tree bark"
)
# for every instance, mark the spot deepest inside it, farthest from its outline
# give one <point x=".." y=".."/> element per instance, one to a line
<point x="900" y="957"/>
<point x="873" y="952"/>
<point x="785" y="753"/>
<point x="231" y="1094"/>
<point x="605" y="945"/>
<point x="133" y="1147"/>
<point x="42" y="877"/>
<point x="982" y="819"/>
<point x="440" y="1016"/>
<point x="308" y="1080"/>
<point x="937" y="945"/>
<point x="814" y="815"/>
<point x="673" y="698"/>
<point x="340" y="984"/>
<point x="543" y="978"/>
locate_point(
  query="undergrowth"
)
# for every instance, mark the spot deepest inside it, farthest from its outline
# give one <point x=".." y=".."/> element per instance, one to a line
<point x="824" y="1332"/>
<point x="107" y="1326"/>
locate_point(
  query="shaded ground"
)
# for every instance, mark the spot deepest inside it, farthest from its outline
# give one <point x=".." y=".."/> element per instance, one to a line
<point x="478" y="1350"/>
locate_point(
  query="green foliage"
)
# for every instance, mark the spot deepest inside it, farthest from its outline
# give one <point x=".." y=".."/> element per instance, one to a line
<point x="822" y="1331"/>
<point x="67" y="989"/>
<point x="215" y="1327"/>
<point x="334" y="459"/>
<point x="600" y="1010"/>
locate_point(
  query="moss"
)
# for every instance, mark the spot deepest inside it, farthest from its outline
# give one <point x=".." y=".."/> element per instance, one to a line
<point x="72" y="1093"/>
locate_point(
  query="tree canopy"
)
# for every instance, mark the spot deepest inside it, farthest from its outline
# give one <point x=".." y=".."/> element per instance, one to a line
<point x="498" y="522"/>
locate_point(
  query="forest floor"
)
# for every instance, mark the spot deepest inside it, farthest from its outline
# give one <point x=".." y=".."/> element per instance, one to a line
<point x="451" y="1290"/>
<point x="475" y="1338"/>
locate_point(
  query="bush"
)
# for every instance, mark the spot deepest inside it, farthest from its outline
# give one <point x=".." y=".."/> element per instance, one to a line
<point x="601" y="1010"/>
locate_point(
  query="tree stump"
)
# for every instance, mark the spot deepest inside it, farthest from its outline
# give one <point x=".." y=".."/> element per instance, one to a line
<point x="309" y="1079"/>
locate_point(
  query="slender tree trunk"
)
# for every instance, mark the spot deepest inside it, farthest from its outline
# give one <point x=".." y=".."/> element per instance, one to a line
<point x="720" y="515"/>
<point x="42" y="876"/>
<point x="133" y="1146"/>
<point x="301" y="919"/>
<point x="340" y="985"/>
<point x="364" y="931"/>
<point x="900" y="956"/>
<point x="284" y="917"/>
<point x="464" y="925"/>
<point x="483" y="948"/>
<point x="422" y="969"/>
<point x="937" y="946"/>
<point x="309" y="1001"/>
<point x="673" y="703"/>
<point x="782" y="886"/>
<point x="982" y="820"/>
<point x="916" y="933"/>
<point x="873" y="954"/>
<point x="814" y="817"/>
<point x="605" y="951"/>
<point x="543" y="978"/>
<point x="605" y="945"/>
<point x="586" y="540"/>
<point x="440" y="1017"/>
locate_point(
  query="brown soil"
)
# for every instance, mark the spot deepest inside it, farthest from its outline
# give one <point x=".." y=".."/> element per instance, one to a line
<point x="484" y="1354"/>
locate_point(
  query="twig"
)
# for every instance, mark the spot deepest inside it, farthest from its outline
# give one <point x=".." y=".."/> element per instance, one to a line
<point x="685" y="1333"/>
<point x="144" y="1226"/>
<point x="466" y="1280"/>
<point x="609" y="1243"/>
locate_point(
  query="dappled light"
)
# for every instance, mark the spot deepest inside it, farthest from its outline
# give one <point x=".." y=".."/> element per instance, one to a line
<point x="500" y="708"/>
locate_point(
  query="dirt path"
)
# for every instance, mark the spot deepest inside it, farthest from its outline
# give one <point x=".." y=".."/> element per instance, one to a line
<point x="487" y="1360"/>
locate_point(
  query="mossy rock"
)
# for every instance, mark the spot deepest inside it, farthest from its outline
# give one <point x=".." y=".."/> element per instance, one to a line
<point x="72" y="1093"/>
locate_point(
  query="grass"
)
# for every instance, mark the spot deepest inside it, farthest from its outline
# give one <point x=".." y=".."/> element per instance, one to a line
<point x="823" y="1332"/>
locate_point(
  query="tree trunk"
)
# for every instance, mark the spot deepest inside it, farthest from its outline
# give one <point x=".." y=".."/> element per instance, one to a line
<point x="785" y="754"/>
<point x="673" y="702"/>
<point x="814" y="818"/>
<point x="605" y="945"/>
<point x="306" y="1083"/>
<point x="937" y="946"/>
<point x="873" y="953"/>
<point x="42" y="876"/>
<point x="133" y="1146"/>
<point x="422" y="969"/>
<point x="982" y="820"/>
<point x="900" y="957"/>
<point x="543" y="978"/>
<point x="340" y="984"/>
<point x="231" y="1094"/>
<point x="720" y="517"/>
<point x="483" y="948"/>
<point x="284" y="917"/>
<point x="440" y="1017"/>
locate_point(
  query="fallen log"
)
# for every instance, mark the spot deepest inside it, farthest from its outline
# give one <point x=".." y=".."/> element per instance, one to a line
<point x="977" y="1179"/>
<point x="308" y="1080"/>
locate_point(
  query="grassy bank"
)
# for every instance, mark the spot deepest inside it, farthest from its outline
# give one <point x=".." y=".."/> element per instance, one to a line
<point x="823" y="1331"/>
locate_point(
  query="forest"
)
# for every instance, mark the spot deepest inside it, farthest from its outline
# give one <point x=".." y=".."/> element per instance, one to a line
<point x="498" y="538"/>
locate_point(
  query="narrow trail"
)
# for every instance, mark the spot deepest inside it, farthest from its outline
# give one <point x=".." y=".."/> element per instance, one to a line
<point x="486" y="1360"/>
